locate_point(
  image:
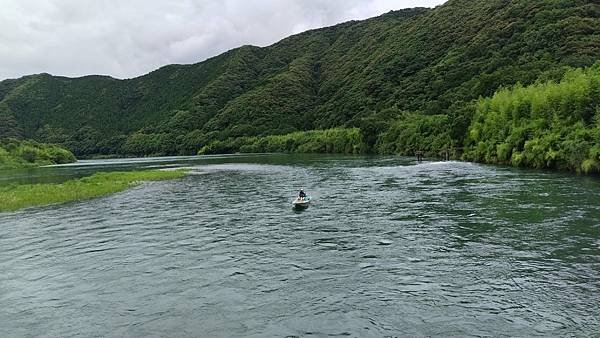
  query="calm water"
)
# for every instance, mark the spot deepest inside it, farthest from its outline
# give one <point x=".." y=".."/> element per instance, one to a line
<point x="388" y="248"/>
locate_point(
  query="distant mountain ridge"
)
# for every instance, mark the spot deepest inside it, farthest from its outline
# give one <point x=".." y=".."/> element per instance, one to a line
<point x="433" y="61"/>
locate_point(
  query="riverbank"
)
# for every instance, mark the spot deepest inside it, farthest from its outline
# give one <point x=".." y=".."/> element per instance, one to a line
<point x="15" y="154"/>
<point x="17" y="197"/>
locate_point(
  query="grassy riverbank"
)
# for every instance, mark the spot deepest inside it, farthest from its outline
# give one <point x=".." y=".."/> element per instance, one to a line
<point x="16" y="197"/>
<point x="27" y="153"/>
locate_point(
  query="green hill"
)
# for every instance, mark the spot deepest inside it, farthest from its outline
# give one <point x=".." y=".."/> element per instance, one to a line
<point x="420" y="64"/>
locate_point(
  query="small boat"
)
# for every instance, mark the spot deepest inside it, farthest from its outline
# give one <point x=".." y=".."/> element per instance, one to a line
<point x="301" y="203"/>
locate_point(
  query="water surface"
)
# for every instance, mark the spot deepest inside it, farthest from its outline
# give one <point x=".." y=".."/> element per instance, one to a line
<point x="388" y="248"/>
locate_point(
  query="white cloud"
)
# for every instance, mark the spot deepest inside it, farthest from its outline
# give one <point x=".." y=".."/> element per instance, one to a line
<point x="130" y="38"/>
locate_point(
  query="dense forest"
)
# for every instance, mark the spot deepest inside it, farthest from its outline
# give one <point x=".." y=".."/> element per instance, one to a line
<point x="333" y="141"/>
<point x="545" y="125"/>
<point x="405" y="81"/>
<point x="19" y="154"/>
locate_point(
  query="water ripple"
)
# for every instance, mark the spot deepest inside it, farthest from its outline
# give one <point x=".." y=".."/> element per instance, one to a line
<point x="388" y="248"/>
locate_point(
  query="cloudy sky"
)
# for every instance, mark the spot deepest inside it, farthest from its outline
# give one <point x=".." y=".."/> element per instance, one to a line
<point x="129" y="38"/>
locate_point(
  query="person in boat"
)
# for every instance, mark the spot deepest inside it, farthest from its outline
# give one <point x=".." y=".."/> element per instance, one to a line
<point x="301" y="195"/>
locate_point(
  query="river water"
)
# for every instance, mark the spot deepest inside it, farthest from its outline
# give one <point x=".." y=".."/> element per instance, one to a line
<point x="388" y="247"/>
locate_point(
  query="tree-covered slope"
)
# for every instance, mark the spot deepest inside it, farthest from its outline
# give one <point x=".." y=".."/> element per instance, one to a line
<point x="358" y="74"/>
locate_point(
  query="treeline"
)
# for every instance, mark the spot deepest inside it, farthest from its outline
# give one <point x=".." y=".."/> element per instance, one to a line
<point x="547" y="125"/>
<point x="18" y="154"/>
<point x="337" y="141"/>
<point x="159" y="142"/>
<point x="413" y="132"/>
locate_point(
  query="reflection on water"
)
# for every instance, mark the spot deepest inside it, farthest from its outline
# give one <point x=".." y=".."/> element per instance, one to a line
<point x="387" y="247"/>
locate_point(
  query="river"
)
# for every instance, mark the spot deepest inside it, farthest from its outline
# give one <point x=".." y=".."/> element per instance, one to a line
<point x="388" y="247"/>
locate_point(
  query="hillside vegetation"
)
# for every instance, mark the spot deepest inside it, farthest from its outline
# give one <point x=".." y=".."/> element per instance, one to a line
<point x="332" y="141"/>
<point x="407" y="79"/>
<point x="546" y="125"/>
<point x="20" y="154"/>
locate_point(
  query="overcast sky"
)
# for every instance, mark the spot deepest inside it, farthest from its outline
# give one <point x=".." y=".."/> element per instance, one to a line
<point x="127" y="38"/>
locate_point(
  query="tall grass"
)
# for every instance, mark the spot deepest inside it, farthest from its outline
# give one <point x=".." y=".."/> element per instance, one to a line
<point x="16" y="197"/>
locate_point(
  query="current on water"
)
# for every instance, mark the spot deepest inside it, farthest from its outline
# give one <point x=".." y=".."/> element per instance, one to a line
<point x="388" y="247"/>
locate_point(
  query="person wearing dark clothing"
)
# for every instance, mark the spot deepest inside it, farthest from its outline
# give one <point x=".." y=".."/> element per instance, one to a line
<point x="302" y="194"/>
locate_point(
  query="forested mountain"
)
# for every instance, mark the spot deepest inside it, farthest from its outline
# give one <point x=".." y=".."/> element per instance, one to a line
<point x="409" y="65"/>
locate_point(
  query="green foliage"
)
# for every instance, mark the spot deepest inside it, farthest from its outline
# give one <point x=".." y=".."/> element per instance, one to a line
<point x="17" y="154"/>
<point x="339" y="141"/>
<point x="429" y="134"/>
<point x="16" y="197"/>
<point x="9" y="128"/>
<point x="545" y="125"/>
<point x="434" y="61"/>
